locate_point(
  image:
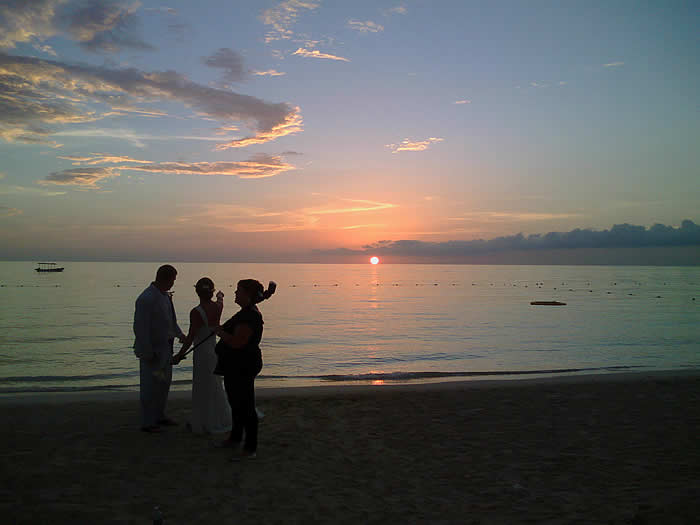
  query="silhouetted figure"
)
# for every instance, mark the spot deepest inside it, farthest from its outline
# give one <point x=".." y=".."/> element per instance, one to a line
<point x="240" y="361"/>
<point x="210" y="410"/>
<point x="155" y="328"/>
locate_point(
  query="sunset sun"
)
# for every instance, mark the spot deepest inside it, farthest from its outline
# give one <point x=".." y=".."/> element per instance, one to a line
<point x="374" y="260"/>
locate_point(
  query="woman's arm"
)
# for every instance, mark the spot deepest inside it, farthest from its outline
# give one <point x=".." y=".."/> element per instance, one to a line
<point x="219" y="306"/>
<point x="195" y="325"/>
<point x="240" y="337"/>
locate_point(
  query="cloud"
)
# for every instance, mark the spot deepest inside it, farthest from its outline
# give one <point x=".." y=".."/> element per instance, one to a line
<point x="496" y="216"/>
<point x="98" y="26"/>
<point x="6" y="211"/>
<point x="283" y="16"/>
<point x="258" y="167"/>
<point x="22" y="21"/>
<point x="365" y="27"/>
<point x="40" y="92"/>
<point x="398" y="10"/>
<point x="165" y="10"/>
<point x="228" y="60"/>
<point x="357" y="206"/>
<point x="236" y="218"/>
<point x="248" y="219"/>
<point x="408" y="145"/>
<point x="105" y="26"/>
<point x="137" y="139"/>
<point x="614" y="64"/>
<point x="462" y="101"/>
<point x="360" y="226"/>
<point x="87" y="177"/>
<point x="317" y="54"/>
<point x="619" y="236"/>
<point x="45" y="49"/>
<point x="101" y="158"/>
<point x="269" y="73"/>
<point x="24" y="190"/>
<point x="142" y="112"/>
<point x="293" y="123"/>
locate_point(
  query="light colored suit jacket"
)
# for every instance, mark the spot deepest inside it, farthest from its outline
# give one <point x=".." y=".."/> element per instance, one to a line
<point x="155" y="324"/>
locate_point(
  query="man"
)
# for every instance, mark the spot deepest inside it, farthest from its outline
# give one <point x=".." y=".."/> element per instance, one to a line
<point x="155" y="327"/>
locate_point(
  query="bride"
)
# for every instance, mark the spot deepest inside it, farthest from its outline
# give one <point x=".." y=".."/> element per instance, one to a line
<point x="211" y="412"/>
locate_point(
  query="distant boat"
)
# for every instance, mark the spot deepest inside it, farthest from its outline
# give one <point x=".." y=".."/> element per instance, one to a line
<point x="547" y="303"/>
<point x="48" y="267"/>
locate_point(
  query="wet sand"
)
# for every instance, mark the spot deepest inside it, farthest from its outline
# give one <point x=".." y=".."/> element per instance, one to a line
<point x="620" y="449"/>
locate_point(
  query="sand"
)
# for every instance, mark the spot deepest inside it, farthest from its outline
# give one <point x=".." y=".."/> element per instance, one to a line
<point x="597" y="449"/>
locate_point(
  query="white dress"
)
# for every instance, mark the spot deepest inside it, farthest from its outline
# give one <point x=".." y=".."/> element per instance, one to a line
<point x="211" y="412"/>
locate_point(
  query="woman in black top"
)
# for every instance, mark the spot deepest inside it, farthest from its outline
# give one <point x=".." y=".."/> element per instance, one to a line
<point x="240" y="360"/>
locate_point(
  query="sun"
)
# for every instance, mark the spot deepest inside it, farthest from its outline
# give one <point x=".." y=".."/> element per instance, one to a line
<point x="374" y="260"/>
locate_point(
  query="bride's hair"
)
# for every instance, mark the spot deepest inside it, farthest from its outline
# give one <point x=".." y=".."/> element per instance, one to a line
<point x="204" y="288"/>
<point x="256" y="291"/>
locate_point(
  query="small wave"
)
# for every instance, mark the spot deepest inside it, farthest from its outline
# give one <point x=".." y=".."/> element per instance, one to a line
<point x="65" y="379"/>
<point x="35" y="382"/>
<point x="40" y="389"/>
<point x="405" y="376"/>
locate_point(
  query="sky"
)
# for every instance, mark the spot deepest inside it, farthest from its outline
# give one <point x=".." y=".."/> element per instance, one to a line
<point x="318" y="130"/>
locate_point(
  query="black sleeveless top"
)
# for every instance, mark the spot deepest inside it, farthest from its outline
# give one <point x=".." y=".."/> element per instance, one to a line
<point x="248" y="359"/>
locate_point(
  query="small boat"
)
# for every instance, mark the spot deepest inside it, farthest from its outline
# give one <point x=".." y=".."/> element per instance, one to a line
<point x="49" y="267"/>
<point x="547" y="303"/>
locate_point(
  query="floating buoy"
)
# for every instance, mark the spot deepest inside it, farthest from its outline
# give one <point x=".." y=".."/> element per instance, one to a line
<point x="547" y="303"/>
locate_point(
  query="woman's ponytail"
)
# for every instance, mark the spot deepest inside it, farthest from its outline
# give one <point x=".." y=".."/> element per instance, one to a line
<point x="271" y="287"/>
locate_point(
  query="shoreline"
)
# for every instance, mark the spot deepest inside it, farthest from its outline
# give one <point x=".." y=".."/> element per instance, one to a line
<point x="359" y="387"/>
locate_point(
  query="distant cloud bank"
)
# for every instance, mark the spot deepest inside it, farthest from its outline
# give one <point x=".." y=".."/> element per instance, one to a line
<point x="619" y="236"/>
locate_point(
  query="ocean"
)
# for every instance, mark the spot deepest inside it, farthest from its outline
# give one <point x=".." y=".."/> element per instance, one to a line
<point x="335" y="323"/>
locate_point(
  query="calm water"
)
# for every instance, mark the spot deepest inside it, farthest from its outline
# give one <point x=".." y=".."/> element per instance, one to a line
<point x="72" y="331"/>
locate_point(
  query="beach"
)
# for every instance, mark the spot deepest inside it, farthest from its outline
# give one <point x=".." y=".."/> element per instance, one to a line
<point x="612" y="448"/>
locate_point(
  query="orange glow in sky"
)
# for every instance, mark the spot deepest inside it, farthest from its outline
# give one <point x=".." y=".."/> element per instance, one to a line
<point x="374" y="260"/>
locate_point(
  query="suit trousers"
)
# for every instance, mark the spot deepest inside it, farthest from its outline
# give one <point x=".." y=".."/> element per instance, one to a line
<point x="155" y="378"/>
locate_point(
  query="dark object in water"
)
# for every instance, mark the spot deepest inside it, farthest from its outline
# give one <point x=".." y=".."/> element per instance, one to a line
<point x="48" y="267"/>
<point x="547" y="303"/>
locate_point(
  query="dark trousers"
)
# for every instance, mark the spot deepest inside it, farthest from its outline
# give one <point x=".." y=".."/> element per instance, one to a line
<point x="240" y="390"/>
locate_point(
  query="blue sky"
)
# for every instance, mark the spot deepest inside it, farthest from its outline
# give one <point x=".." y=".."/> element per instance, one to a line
<point x="278" y="130"/>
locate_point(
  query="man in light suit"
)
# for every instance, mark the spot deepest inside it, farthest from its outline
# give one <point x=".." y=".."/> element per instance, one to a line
<point x="155" y="327"/>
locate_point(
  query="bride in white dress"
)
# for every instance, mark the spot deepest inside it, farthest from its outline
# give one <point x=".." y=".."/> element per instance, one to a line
<point x="211" y="412"/>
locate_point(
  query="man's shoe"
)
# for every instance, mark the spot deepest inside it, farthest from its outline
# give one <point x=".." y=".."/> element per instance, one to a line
<point x="244" y="455"/>
<point x="167" y="422"/>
